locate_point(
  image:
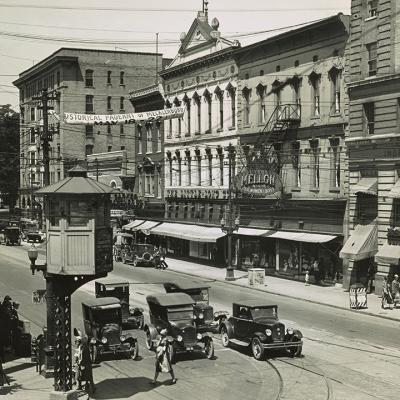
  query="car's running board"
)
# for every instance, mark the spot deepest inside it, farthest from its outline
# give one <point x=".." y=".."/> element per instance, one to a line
<point x="239" y="342"/>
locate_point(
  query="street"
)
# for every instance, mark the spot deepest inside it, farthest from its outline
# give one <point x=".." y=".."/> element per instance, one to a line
<point x="345" y="355"/>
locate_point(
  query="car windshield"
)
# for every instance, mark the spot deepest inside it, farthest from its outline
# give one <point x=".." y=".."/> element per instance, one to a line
<point x="143" y="248"/>
<point x="270" y="312"/>
<point x="180" y="314"/>
<point x="199" y="296"/>
<point x="110" y="316"/>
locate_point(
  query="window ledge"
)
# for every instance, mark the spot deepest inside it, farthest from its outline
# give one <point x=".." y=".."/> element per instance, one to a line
<point x="122" y="110"/>
<point x="334" y="190"/>
<point x="315" y="190"/>
<point x="109" y="109"/>
<point x="122" y="84"/>
<point x="335" y="115"/>
<point x="208" y="131"/>
<point x="220" y="130"/>
<point x="296" y="189"/>
<point x="231" y="128"/>
<point x="109" y="84"/>
<point x="246" y="126"/>
<point x="315" y="117"/>
<point x="370" y="18"/>
<point x="90" y="87"/>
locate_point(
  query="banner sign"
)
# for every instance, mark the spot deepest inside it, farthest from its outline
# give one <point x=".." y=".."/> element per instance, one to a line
<point x="131" y="118"/>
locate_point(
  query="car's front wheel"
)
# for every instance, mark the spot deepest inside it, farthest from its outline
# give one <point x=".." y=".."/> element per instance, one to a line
<point x="209" y="349"/>
<point x="296" y="351"/>
<point x="224" y="337"/>
<point x="134" y="350"/>
<point x="257" y="348"/>
<point x="149" y="341"/>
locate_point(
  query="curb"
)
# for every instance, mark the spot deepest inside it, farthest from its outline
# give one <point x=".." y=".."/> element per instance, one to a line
<point x="290" y="297"/>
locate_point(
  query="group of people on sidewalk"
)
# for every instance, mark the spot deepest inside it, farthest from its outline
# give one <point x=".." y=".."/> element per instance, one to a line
<point x="391" y="292"/>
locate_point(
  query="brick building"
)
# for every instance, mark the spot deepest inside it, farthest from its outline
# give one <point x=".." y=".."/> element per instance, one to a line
<point x="85" y="81"/>
<point x="373" y="142"/>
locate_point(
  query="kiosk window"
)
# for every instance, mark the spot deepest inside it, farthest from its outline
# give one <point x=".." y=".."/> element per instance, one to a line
<point x="78" y="213"/>
<point x="55" y="213"/>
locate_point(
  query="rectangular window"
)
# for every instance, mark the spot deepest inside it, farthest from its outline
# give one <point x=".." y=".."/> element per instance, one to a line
<point x="315" y="178"/>
<point x="32" y="158"/>
<point x="108" y="77"/>
<point x="372" y="8"/>
<point x="108" y="130"/>
<point x="121" y="130"/>
<point x="220" y="96"/>
<point x="89" y="78"/>
<point x="221" y="169"/>
<point x="58" y="78"/>
<point x="189" y="171"/>
<point x="336" y="108"/>
<point x="316" y="96"/>
<point x="109" y="148"/>
<point x="210" y="170"/>
<point x="198" y="114"/>
<point x="78" y="213"/>
<point x="109" y="103"/>
<point x="170" y="172"/>
<point x="88" y="149"/>
<point x="296" y="164"/>
<point x="372" y="56"/>
<point x="121" y="103"/>
<point x="209" y="113"/>
<point x="89" y="104"/>
<point x="187" y="117"/>
<point x="32" y="135"/>
<point x="159" y="137"/>
<point x="369" y="118"/>
<point x="121" y="78"/>
<point x="33" y="114"/>
<point x="246" y="107"/>
<point x="139" y="139"/>
<point x="149" y="138"/>
<point x="149" y="185"/>
<point x="396" y="213"/>
<point x="232" y="95"/>
<point x="335" y="167"/>
<point x="199" y="170"/>
<point x="89" y="130"/>
<point x="261" y="104"/>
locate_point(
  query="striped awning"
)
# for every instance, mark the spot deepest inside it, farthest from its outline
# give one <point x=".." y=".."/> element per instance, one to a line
<point x="145" y="227"/>
<point x="395" y="191"/>
<point x="194" y="233"/>
<point x="388" y="254"/>
<point x="302" y="236"/>
<point x="133" y="224"/>
<point x="366" y="185"/>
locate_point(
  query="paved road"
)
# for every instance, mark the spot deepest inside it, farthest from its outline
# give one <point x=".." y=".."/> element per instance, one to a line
<point x="346" y="355"/>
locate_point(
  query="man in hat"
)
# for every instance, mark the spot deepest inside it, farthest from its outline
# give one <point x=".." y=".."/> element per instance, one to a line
<point x="396" y="290"/>
<point x="163" y="356"/>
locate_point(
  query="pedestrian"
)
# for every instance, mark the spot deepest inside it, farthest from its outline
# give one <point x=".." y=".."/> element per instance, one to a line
<point x="386" y="294"/>
<point x="163" y="357"/>
<point x="163" y="254"/>
<point x="83" y="361"/>
<point x="307" y="278"/>
<point x="396" y="290"/>
<point x="317" y="275"/>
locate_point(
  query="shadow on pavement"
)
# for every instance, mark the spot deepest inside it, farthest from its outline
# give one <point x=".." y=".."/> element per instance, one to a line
<point x="18" y="367"/>
<point x="122" y="387"/>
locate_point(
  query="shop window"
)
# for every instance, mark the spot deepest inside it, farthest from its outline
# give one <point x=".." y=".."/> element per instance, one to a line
<point x="193" y="211"/>
<point x="78" y="213"/>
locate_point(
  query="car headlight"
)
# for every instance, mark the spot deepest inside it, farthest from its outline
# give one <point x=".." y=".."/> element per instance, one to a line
<point x="122" y="338"/>
<point x="268" y="332"/>
<point x="289" y="331"/>
<point x="103" y="340"/>
<point x="194" y="316"/>
<point x="199" y="336"/>
<point x="179" y="338"/>
<point x="92" y="340"/>
<point x="216" y="314"/>
<point x="201" y="315"/>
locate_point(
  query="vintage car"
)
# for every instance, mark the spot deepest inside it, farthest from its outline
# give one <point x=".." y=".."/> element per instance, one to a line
<point x="121" y="240"/>
<point x="102" y="318"/>
<point x="132" y="317"/>
<point x="204" y="316"/>
<point x="174" y="312"/>
<point x="140" y="255"/>
<point x="256" y="325"/>
<point x="11" y="235"/>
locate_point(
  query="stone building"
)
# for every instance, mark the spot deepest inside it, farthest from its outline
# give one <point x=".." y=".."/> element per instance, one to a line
<point x="373" y="142"/>
<point x="85" y="81"/>
<point x="291" y="163"/>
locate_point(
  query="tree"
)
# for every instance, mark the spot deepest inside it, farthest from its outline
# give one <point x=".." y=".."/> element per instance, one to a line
<point x="9" y="155"/>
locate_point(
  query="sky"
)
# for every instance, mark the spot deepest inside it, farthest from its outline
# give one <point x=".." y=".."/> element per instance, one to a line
<point x="31" y="30"/>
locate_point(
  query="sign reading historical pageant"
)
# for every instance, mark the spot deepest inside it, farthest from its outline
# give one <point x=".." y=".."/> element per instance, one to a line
<point x="130" y="118"/>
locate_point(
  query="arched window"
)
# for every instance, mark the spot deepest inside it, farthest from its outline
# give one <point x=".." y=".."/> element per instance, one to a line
<point x="219" y="94"/>
<point x="208" y="101"/>
<point x="246" y="93"/>
<point x="231" y="91"/>
<point x="261" y="104"/>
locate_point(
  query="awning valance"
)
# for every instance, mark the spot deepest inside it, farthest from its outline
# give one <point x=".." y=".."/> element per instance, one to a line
<point x="189" y="232"/>
<point x="362" y="244"/>
<point x="133" y="224"/>
<point x="366" y="185"/>
<point x="388" y="254"/>
<point x="302" y="236"/>
<point x="395" y="191"/>
<point x="252" y="231"/>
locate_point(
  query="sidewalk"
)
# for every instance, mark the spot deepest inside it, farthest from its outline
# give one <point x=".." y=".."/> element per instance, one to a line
<point x="331" y="296"/>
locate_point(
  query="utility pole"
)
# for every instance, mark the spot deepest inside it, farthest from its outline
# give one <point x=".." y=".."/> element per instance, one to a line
<point x="46" y="138"/>
<point x="156" y="58"/>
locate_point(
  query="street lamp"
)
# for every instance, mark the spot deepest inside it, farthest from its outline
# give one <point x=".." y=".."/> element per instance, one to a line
<point x="33" y="255"/>
<point x="229" y="226"/>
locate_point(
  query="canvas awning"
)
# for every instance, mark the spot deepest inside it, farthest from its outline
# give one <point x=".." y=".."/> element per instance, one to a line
<point x="145" y="227"/>
<point x="302" y="236"/>
<point x="388" y="254"/>
<point x="366" y="185"/>
<point x="252" y="231"/>
<point x="133" y="224"/>
<point x="362" y="244"/>
<point x="188" y="232"/>
<point x="395" y="191"/>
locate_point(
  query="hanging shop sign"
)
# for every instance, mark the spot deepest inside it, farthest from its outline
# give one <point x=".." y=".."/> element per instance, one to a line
<point x="118" y="119"/>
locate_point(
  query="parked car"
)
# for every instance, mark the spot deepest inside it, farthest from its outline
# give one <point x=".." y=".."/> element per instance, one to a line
<point x="108" y="287"/>
<point x="174" y="312"/>
<point x="256" y="325"/>
<point x="140" y="255"/>
<point x="121" y="240"/>
<point x="204" y="316"/>
<point x="102" y="318"/>
<point x="12" y="235"/>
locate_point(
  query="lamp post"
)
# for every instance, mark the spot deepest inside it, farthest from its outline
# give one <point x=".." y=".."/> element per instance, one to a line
<point x="230" y="224"/>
